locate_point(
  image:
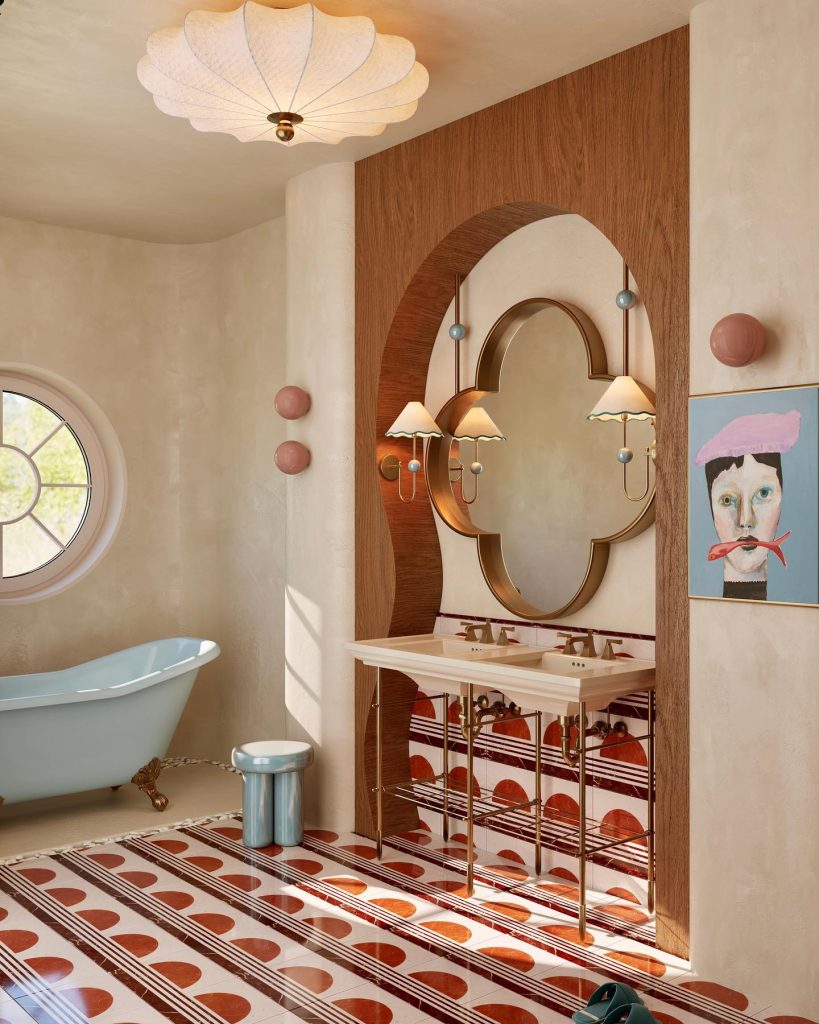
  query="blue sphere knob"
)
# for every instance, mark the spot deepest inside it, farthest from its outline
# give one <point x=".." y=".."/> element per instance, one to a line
<point x="476" y="468"/>
<point x="457" y="332"/>
<point x="413" y="465"/>
<point x="626" y="299"/>
<point x="625" y="455"/>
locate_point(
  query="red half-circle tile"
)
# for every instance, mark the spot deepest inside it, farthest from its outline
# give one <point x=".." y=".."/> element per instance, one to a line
<point x="136" y="943"/>
<point x="641" y="961"/>
<point x="517" y="958"/>
<point x="620" y="824"/>
<point x="322" y="835"/>
<point x="451" y="985"/>
<point x="228" y="831"/>
<point x="229" y="1006"/>
<point x="419" y="838"/>
<point x="261" y="949"/>
<point x="618" y="748"/>
<point x="89" y="1001"/>
<point x="311" y="978"/>
<point x="453" y="713"/>
<point x="107" y="860"/>
<point x="507" y="1013"/>
<point x="205" y="863"/>
<point x="518" y="728"/>
<point x="405" y="867"/>
<point x="511" y="910"/>
<point x="3" y="913"/>
<point x="579" y="987"/>
<point x="18" y="939"/>
<point x="519" y="874"/>
<point x="511" y="855"/>
<point x="67" y="896"/>
<point x="50" y="968"/>
<point x="346" y="883"/>
<point x="368" y="1011"/>
<point x="420" y="768"/>
<point x="508" y="792"/>
<point x="171" y="845"/>
<point x="719" y="993"/>
<point x="101" y="919"/>
<point x="141" y="879"/>
<point x="247" y="883"/>
<point x="289" y="904"/>
<point x="449" y="930"/>
<point x="623" y="894"/>
<point x="330" y="926"/>
<point x="216" y="923"/>
<point x="566" y="892"/>
<point x="403" y="908"/>
<point x="172" y="898"/>
<point x="790" y="1019"/>
<point x="561" y="807"/>
<point x="37" y="876"/>
<point x="449" y="885"/>
<point x="457" y="852"/>
<point x="382" y="951"/>
<point x="569" y="933"/>
<point x="423" y="707"/>
<point x="553" y="735"/>
<point x="270" y="851"/>
<point x="360" y="850"/>
<point x="457" y="781"/>
<point x="563" y="873"/>
<point x="178" y="972"/>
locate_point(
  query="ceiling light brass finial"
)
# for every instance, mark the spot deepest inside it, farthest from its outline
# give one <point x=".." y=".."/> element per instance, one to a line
<point x="284" y="120"/>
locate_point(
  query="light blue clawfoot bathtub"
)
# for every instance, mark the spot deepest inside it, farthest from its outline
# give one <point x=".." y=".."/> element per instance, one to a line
<point x="272" y="789"/>
<point x="103" y="723"/>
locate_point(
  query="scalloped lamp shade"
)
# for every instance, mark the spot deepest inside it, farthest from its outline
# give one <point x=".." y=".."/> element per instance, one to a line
<point x="624" y="397"/>
<point x="413" y="421"/>
<point x="478" y="425"/>
<point x="282" y="75"/>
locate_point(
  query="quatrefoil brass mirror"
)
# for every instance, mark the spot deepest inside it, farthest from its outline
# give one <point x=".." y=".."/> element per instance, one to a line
<point x="550" y="503"/>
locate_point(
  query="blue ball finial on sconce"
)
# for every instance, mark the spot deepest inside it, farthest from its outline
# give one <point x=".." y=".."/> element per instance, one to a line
<point x="457" y="332"/>
<point x="626" y="299"/>
<point x="414" y="466"/>
<point x="625" y="455"/>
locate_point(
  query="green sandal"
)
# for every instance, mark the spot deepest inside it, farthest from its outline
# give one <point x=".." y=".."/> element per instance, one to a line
<point x="611" y="996"/>
<point x="637" y="1013"/>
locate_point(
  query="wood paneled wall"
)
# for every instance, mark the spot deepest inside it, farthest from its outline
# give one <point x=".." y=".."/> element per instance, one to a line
<point x="609" y="142"/>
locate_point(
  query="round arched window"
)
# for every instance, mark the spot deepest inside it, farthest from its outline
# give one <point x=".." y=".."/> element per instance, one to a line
<point x="61" y="487"/>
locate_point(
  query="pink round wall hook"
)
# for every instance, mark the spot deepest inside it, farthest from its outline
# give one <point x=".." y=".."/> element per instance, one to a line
<point x="292" y="402"/>
<point x="738" y="339"/>
<point x="292" y="457"/>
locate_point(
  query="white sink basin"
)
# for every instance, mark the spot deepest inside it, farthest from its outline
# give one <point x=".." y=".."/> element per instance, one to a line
<point x="535" y="678"/>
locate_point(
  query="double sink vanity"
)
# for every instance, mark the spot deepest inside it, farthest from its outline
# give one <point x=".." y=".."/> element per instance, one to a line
<point x="496" y="680"/>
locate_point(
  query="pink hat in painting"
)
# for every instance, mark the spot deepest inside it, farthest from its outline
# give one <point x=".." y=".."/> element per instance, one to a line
<point x="758" y="434"/>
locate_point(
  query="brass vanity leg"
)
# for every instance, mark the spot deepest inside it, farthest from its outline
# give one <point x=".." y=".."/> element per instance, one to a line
<point x="445" y="769"/>
<point x="379" y="808"/>
<point x="538" y="794"/>
<point x="650" y="822"/>
<point x="145" y="779"/>
<point x="470" y="757"/>
<point x="581" y="839"/>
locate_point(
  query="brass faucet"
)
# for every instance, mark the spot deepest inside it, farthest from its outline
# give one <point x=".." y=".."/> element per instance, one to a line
<point x="471" y="632"/>
<point x="487" y="636"/>
<point x="588" y="644"/>
<point x="571" y="640"/>
<point x="608" y="652"/>
<point x="503" y="636"/>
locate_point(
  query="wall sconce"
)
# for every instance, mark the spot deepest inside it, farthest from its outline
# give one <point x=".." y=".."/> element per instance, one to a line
<point x="626" y="398"/>
<point x="413" y="422"/>
<point x="476" y="426"/>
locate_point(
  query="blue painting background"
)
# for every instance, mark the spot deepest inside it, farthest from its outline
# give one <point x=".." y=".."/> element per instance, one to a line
<point x="799" y="583"/>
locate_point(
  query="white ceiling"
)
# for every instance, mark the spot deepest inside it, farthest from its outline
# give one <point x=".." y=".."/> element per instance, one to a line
<point x="82" y="144"/>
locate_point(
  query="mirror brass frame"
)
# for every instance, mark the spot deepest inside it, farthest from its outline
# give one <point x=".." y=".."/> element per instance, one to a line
<point x="487" y="381"/>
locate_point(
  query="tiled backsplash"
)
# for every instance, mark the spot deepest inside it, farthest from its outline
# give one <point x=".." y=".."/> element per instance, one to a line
<point x="504" y="766"/>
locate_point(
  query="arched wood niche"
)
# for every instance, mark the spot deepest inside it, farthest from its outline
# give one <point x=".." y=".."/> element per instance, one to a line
<point x="608" y="142"/>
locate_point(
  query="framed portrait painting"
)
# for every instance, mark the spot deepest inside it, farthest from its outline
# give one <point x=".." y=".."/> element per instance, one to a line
<point x="753" y="494"/>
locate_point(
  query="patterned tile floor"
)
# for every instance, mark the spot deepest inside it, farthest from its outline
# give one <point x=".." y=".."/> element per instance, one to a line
<point x="186" y="925"/>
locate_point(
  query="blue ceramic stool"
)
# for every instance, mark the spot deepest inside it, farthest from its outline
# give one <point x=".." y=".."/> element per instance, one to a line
<point x="272" y="787"/>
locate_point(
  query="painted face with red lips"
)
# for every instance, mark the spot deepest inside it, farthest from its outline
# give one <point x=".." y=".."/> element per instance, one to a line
<point x="746" y="501"/>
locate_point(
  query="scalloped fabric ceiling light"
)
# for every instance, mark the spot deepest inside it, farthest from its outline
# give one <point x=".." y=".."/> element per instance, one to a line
<point x="282" y="75"/>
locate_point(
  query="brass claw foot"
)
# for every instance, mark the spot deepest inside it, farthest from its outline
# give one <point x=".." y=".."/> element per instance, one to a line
<point x="145" y="779"/>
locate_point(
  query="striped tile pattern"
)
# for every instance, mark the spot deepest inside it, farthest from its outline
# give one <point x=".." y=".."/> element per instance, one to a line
<point x="188" y="926"/>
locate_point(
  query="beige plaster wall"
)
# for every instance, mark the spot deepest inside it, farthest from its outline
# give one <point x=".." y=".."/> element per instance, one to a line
<point x="564" y="258"/>
<point x="754" y="681"/>
<point x="320" y="598"/>
<point x="182" y="348"/>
